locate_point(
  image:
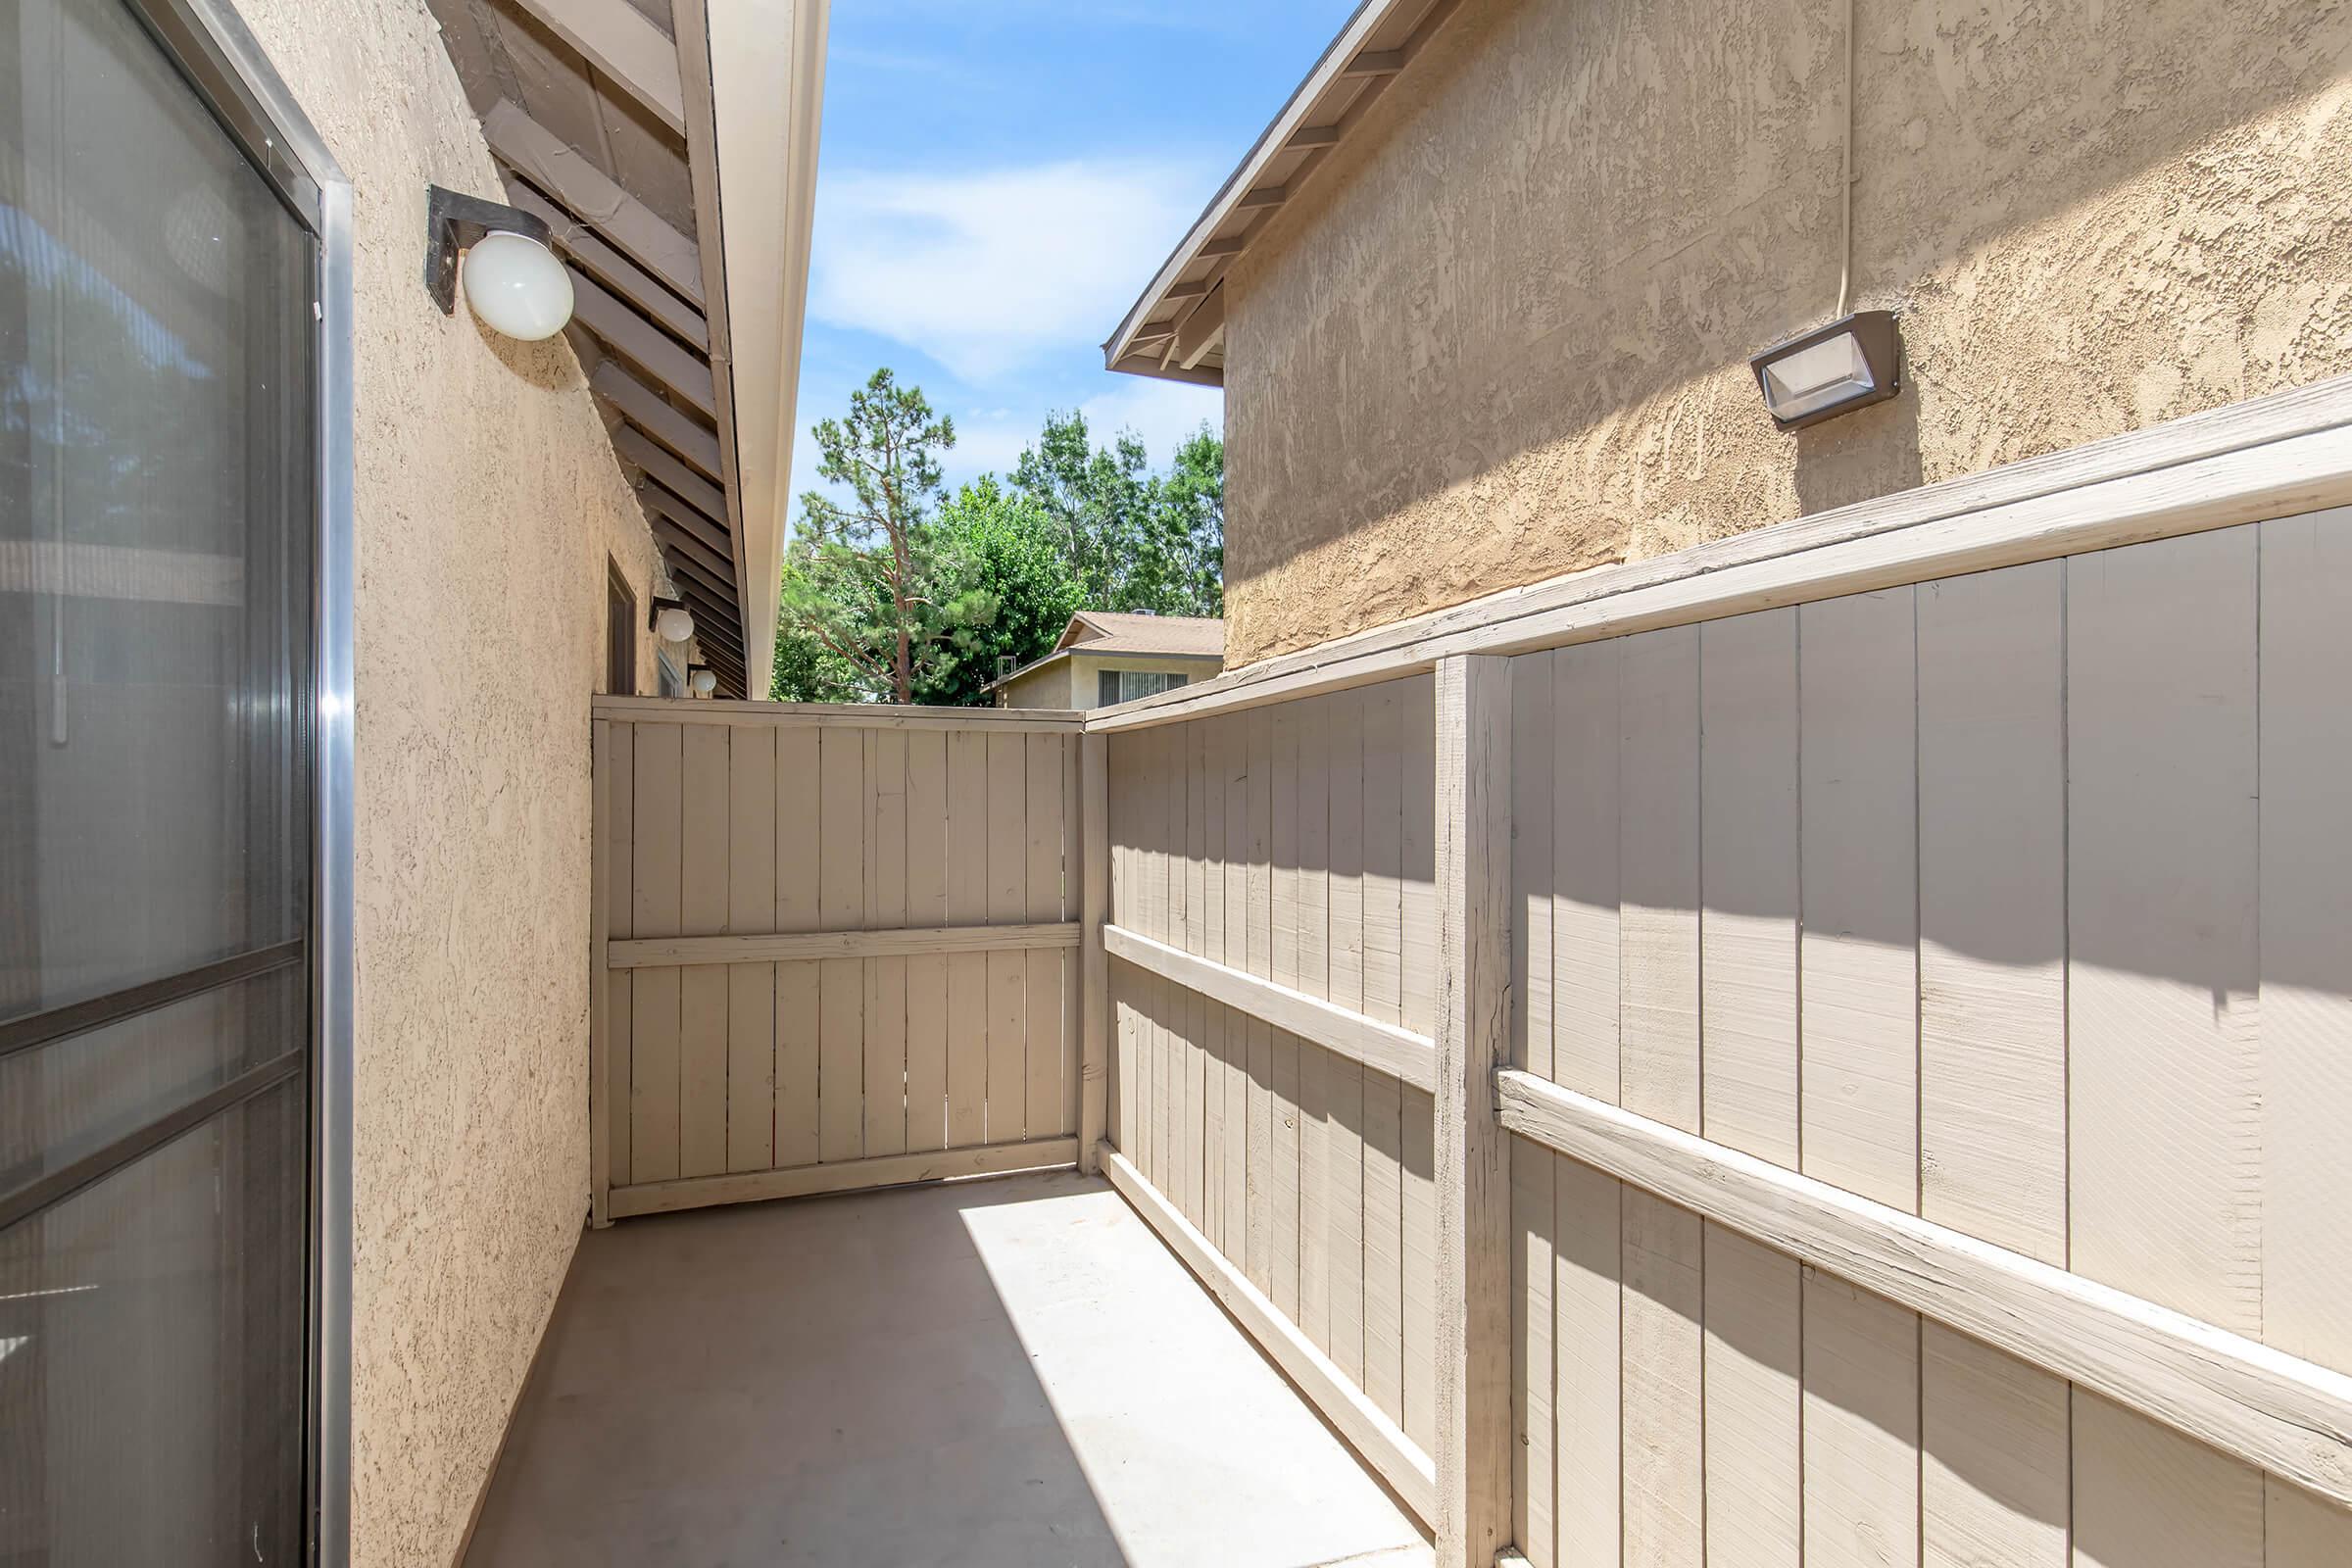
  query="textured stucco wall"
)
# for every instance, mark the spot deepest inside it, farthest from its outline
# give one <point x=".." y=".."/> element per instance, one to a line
<point x="488" y="500"/>
<point x="1504" y="332"/>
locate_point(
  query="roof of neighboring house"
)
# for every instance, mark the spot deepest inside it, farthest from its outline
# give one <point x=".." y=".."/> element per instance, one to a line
<point x="1114" y="632"/>
<point x="1110" y="631"/>
<point x="612" y="122"/>
<point x="1177" y="329"/>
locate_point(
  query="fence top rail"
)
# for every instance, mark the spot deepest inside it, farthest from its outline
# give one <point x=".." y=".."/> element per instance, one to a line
<point x="2275" y="455"/>
<point x="852" y="716"/>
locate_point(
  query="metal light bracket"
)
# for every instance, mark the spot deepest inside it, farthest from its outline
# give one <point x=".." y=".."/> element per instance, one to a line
<point x="453" y="222"/>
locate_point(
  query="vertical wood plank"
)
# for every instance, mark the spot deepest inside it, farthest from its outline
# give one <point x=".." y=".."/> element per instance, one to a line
<point x="2303" y="1531"/>
<point x="2306" y="937"/>
<point x="1664" y="1358"/>
<point x="600" y="877"/>
<point x="1754" y="1408"/>
<point x="653" y="912"/>
<point x="1418" y="1111"/>
<point x="886" y="909"/>
<point x="1007" y="904"/>
<point x="1312" y="723"/>
<point x="620" y="902"/>
<point x="702" y="987"/>
<point x="1533" y="1375"/>
<point x="1747" y="873"/>
<point x="799" y="805"/>
<point x="750" y="986"/>
<point x="1993" y="1442"/>
<point x="1226" y="1227"/>
<point x="1860" y="952"/>
<point x="1047" y="830"/>
<point x="1384" y="1095"/>
<point x="1755" y="1481"/>
<point x="1658" y="873"/>
<point x="1992" y="906"/>
<point x="1121" y="762"/>
<point x="1094" y="863"/>
<point x="1861" y="1428"/>
<point x="1272" y="857"/>
<point x="1587" y="1358"/>
<point x="2161" y="703"/>
<point x="1992" y="1039"/>
<point x="927" y="976"/>
<point x="1532" y="859"/>
<point x="1474" y="1315"/>
<point x="1072" y="965"/>
<point x="1587" y="935"/>
<point x="841" y="906"/>
<point x="1343" y="1127"/>
<point x="2147" y="1497"/>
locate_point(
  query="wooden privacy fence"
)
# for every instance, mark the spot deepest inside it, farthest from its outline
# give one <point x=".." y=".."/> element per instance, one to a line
<point x="1831" y="1049"/>
<point x="835" y="947"/>
<point x="1887" y="996"/>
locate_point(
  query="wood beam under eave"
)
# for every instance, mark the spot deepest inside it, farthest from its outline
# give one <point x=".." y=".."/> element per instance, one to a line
<point x="614" y="270"/>
<point x="637" y="449"/>
<point x="1201" y="331"/>
<point x="579" y="187"/>
<point x="1376" y="63"/>
<point x="625" y="48"/>
<point x="644" y="344"/>
<point x="1226" y="247"/>
<point x="712" y="536"/>
<point x="657" y="418"/>
<point x="1263" y="196"/>
<point x="1313" y="136"/>
<point x="687" y="552"/>
<point x="1187" y="291"/>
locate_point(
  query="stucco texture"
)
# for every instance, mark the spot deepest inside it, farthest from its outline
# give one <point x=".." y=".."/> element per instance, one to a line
<point x="488" y="500"/>
<point x="1503" y="334"/>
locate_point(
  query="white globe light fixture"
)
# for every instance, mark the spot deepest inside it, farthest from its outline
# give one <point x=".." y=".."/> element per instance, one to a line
<point x="517" y="287"/>
<point x="673" y="621"/>
<point x="514" y="281"/>
<point x="702" y="680"/>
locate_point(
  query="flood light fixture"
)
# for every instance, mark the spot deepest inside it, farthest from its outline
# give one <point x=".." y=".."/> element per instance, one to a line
<point x="514" y="281"/>
<point x="1850" y="364"/>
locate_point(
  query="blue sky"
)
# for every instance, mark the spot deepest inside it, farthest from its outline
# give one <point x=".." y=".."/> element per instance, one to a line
<point x="999" y="181"/>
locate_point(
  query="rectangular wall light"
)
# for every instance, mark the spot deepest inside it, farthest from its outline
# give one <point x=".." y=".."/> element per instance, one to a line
<point x="1847" y="365"/>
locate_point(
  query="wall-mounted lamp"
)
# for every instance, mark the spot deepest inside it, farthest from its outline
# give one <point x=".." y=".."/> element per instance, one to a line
<point x="670" y="620"/>
<point x="701" y="680"/>
<point x="513" y="279"/>
<point x="1847" y="365"/>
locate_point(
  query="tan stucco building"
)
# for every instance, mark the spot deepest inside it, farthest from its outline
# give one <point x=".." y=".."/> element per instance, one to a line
<point x="1106" y="656"/>
<point x="1481" y="299"/>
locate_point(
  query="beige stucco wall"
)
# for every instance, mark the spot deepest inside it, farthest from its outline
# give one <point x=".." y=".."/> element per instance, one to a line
<point x="487" y="502"/>
<point x="1048" y="686"/>
<point x="1503" y="334"/>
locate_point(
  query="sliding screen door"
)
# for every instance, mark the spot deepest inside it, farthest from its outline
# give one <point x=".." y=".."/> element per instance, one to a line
<point x="157" y="516"/>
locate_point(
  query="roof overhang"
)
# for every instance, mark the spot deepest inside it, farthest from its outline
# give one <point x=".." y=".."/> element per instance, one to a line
<point x="1176" y="330"/>
<point x="677" y="171"/>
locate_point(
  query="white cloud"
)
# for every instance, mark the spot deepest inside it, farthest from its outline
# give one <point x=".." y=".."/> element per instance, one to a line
<point x="988" y="273"/>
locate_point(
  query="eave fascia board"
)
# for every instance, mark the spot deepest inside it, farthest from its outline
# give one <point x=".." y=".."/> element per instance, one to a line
<point x="1336" y="63"/>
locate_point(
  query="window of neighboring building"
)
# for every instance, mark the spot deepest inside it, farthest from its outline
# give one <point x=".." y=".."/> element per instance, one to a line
<point x="620" y="632"/>
<point x="669" y="676"/>
<point x="1126" y="685"/>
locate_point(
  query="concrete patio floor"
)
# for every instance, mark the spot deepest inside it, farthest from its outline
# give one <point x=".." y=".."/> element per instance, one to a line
<point x="1011" y="1372"/>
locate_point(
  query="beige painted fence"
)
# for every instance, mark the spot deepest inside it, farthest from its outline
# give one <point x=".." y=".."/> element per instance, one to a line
<point x="1891" y="1028"/>
<point x="1274" y="983"/>
<point x="836" y="949"/>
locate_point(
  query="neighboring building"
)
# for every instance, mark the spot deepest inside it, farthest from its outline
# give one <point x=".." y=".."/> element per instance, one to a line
<point x="1482" y="297"/>
<point x="304" y="587"/>
<point x="1106" y="657"/>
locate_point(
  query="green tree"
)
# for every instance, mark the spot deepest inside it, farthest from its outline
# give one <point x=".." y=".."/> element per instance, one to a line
<point x="862" y="578"/>
<point x="1015" y="592"/>
<point x="1133" y="542"/>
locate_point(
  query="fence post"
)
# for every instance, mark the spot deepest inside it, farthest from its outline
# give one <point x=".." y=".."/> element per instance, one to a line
<point x="1094" y="970"/>
<point x="1474" y="979"/>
